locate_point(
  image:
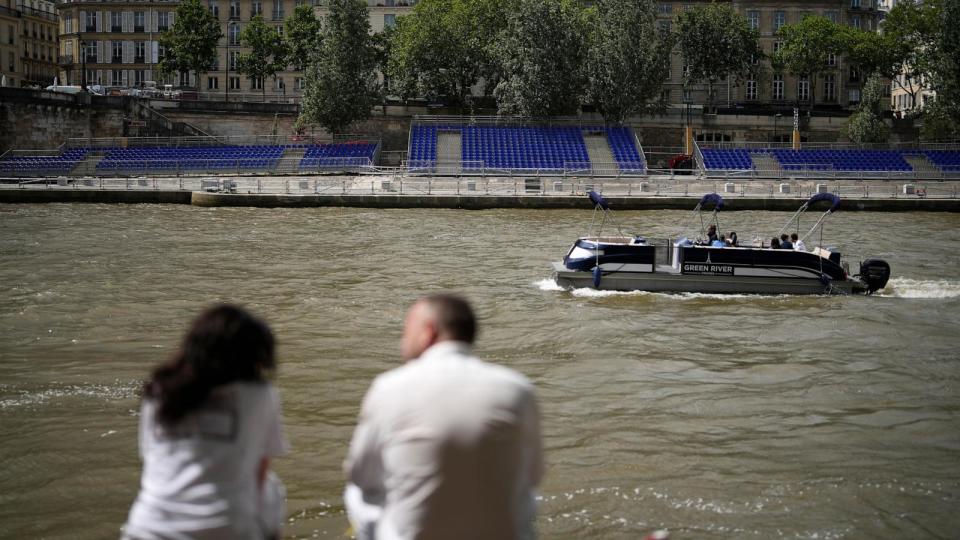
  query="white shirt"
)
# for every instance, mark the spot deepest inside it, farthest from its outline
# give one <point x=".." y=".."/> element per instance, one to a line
<point x="447" y="446"/>
<point x="200" y="478"/>
<point x="799" y="246"/>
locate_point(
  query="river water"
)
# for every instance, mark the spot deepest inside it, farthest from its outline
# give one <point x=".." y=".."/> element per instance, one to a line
<point x="714" y="417"/>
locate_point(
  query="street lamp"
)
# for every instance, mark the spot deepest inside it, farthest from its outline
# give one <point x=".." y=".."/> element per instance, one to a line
<point x="83" y="65"/>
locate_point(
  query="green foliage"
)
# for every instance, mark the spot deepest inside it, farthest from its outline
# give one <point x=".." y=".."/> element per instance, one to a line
<point x="267" y="54"/>
<point x="946" y="70"/>
<point x="866" y="125"/>
<point x="303" y="33"/>
<point x="910" y="38"/>
<point x="541" y="54"/>
<point x="341" y="83"/>
<point x="628" y="57"/>
<point x="939" y="121"/>
<point x="442" y="48"/>
<point x="191" y="43"/>
<point x="717" y="42"/>
<point x="807" y="46"/>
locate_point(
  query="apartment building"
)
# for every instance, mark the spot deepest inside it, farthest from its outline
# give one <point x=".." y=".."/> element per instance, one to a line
<point x="838" y="85"/>
<point x="28" y="42"/>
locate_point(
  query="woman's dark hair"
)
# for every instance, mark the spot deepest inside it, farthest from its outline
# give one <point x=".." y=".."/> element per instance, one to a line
<point x="224" y="344"/>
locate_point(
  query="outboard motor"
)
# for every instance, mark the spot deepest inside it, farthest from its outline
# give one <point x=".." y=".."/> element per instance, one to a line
<point x="875" y="273"/>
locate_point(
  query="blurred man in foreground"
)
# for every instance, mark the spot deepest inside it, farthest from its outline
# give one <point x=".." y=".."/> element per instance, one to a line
<point x="447" y="446"/>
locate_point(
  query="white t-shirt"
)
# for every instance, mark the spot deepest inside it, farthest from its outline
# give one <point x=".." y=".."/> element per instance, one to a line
<point x="447" y="447"/>
<point x="200" y="478"/>
<point x="799" y="246"/>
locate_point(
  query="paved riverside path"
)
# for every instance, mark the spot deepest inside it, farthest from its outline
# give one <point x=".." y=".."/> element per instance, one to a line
<point x="406" y="191"/>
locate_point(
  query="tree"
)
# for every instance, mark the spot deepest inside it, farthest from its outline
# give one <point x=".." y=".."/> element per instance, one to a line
<point x="908" y="51"/>
<point x="628" y="57"/>
<point x="303" y="31"/>
<point x="807" y="46"/>
<point x="341" y="83"/>
<point x="442" y="48"/>
<point x="716" y="42"/>
<point x="542" y="52"/>
<point x="267" y="54"/>
<point x="191" y="43"/>
<point x="946" y="73"/>
<point x="866" y="124"/>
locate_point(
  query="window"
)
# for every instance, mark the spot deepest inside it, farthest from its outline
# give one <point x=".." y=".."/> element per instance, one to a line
<point x="664" y="26"/>
<point x="116" y="77"/>
<point x="751" y="93"/>
<point x="11" y="58"/>
<point x="776" y="46"/>
<point x="389" y="20"/>
<point x="163" y="21"/>
<point x="92" y="77"/>
<point x="91" y="21"/>
<point x="778" y="86"/>
<point x="754" y="17"/>
<point x="854" y="75"/>
<point x="256" y="8"/>
<point x="90" y="49"/>
<point x="665" y="95"/>
<point x="233" y="34"/>
<point x="831" y="59"/>
<point x="138" y="21"/>
<point x="855" y="3"/>
<point x="665" y="9"/>
<point x="687" y="95"/>
<point x="214" y="8"/>
<point x="234" y="9"/>
<point x="116" y="21"/>
<point x="161" y="51"/>
<point x="854" y="96"/>
<point x="803" y="89"/>
<point x="67" y="23"/>
<point x="298" y="83"/>
<point x="213" y="83"/>
<point x="280" y="30"/>
<point x="832" y="15"/>
<point x="234" y="83"/>
<point x="234" y="59"/>
<point x="278" y="10"/>
<point x="279" y="85"/>
<point x="139" y="52"/>
<point x="256" y="83"/>
<point x="830" y="88"/>
<point x="184" y="78"/>
<point x="779" y="19"/>
<point x="855" y="21"/>
<point x="116" y="47"/>
<point x="138" y="77"/>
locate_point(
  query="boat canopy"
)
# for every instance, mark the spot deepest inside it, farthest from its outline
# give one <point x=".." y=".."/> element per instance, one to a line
<point x="712" y="198"/>
<point x="834" y="200"/>
<point x="598" y="200"/>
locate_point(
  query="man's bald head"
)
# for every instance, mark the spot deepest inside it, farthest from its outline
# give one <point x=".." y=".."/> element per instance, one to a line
<point x="436" y="318"/>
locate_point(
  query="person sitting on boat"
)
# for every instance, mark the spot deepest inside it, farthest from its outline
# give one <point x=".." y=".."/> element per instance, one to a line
<point x="719" y="242"/>
<point x="774" y="243"/>
<point x="711" y="234"/>
<point x="785" y="242"/>
<point x="798" y="244"/>
<point x="732" y="239"/>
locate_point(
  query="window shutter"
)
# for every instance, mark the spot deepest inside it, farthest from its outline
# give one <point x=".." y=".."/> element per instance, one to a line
<point x="127" y="52"/>
<point x="128" y="21"/>
<point x="99" y="21"/>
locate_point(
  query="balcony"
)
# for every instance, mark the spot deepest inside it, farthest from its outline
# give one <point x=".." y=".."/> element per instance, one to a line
<point x="9" y="12"/>
<point x="116" y="60"/>
<point x="139" y="28"/>
<point x="139" y="59"/>
<point x="278" y="15"/>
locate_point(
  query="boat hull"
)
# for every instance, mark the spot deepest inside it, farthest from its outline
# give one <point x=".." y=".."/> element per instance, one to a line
<point x="675" y="282"/>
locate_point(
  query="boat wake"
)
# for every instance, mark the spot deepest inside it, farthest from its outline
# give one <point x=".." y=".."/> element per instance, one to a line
<point x="916" y="288"/>
<point x="586" y="292"/>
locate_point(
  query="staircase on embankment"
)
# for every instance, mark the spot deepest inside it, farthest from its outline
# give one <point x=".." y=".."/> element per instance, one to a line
<point x="765" y="163"/>
<point x="449" y="152"/>
<point x="600" y="154"/>
<point x="88" y="167"/>
<point x="289" y="162"/>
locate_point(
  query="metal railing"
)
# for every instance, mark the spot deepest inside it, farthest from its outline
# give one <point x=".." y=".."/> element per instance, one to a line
<point x="229" y="140"/>
<point x="480" y="168"/>
<point x="385" y="183"/>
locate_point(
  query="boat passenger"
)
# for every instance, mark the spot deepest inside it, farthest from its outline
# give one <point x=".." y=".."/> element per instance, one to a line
<point x="732" y="240"/>
<point x="774" y="243"/>
<point x="798" y="244"/>
<point x="785" y="242"/>
<point x="719" y="242"/>
<point x="711" y="234"/>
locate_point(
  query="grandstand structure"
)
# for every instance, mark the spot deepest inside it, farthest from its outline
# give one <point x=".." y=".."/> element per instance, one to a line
<point x="196" y="155"/>
<point x="766" y="160"/>
<point x="446" y="146"/>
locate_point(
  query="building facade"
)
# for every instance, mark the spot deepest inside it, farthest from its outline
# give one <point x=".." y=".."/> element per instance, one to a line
<point x="838" y="85"/>
<point x="28" y="42"/>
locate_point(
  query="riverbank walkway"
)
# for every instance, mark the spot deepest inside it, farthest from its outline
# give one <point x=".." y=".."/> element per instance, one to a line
<point x="405" y="191"/>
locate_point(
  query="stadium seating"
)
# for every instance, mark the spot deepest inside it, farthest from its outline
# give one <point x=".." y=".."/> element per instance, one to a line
<point x="351" y="153"/>
<point x="521" y="147"/>
<point x="43" y="165"/>
<point x="841" y="160"/>
<point x="197" y="158"/>
<point x="945" y="160"/>
<point x="727" y="159"/>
